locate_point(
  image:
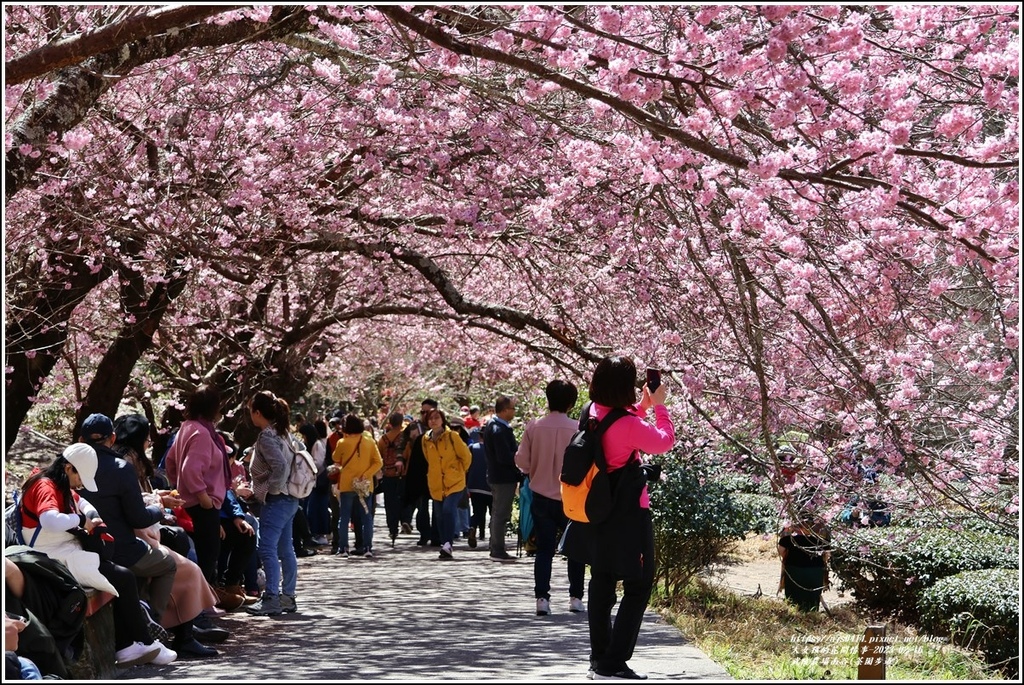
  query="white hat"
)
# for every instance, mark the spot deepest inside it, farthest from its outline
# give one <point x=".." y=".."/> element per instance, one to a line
<point x="83" y="458"/>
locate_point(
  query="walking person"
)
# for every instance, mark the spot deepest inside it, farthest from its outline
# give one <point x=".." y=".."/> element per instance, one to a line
<point x="417" y="492"/>
<point x="479" y="491"/>
<point x="357" y="456"/>
<point x="271" y="464"/>
<point x="502" y="473"/>
<point x="393" y="482"/>
<point x="448" y="459"/>
<point x="540" y="457"/>
<point x="621" y="548"/>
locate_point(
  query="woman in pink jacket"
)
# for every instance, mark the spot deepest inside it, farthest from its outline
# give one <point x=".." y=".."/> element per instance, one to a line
<point x="621" y="548"/>
<point x="197" y="465"/>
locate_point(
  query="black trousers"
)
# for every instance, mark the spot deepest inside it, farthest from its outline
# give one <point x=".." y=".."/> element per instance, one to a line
<point x="129" y="623"/>
<point x="206" y="538"/>
<point x="236" y="552"/>
<point x="612" y="643"/>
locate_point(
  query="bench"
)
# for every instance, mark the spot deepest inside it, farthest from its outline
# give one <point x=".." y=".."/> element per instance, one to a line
<point x="96" y="662"/>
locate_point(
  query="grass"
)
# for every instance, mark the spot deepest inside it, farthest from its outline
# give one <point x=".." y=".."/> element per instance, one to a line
<point x="766" y="639"/>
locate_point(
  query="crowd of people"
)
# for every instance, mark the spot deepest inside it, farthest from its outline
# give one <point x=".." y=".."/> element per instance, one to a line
<point x="195" y="526"/>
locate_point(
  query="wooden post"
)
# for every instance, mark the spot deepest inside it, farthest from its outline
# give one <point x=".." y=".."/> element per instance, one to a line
<point x="871" y="655"/>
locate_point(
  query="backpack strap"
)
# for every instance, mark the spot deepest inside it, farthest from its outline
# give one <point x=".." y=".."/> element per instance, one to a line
<point x="21" y="509"/>
<point x="600" y="427"/>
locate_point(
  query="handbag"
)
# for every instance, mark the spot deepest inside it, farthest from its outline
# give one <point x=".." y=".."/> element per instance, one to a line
<point x="99" y="542"/>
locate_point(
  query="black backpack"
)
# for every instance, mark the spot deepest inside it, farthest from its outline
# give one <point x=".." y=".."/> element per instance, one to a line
<point x="586" y="487"/>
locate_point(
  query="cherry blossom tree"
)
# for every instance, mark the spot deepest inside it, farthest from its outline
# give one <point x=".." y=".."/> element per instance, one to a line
<point x="808" y="215"/>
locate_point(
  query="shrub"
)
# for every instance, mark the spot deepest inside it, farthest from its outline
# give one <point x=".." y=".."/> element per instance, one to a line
<point x="761" y="511"/>
<point x="887" y="568"/>
<point x="695" y="519"/>
<point x="978" y="610"/>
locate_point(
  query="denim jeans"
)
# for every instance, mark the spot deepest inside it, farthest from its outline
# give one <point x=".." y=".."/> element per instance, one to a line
<point x="548" y="519"/>
<point x="363" y="519"/>
<point x="446" y="513"/>
<point x="275" y="544"/>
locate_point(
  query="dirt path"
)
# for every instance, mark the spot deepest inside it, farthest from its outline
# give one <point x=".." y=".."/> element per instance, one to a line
<point x="754" y="568"/>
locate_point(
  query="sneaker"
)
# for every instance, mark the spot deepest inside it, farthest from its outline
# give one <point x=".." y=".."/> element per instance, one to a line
<point x="626" y="673"/>
<point x="269" y="605"/>
<point x="576" y="605"/>
<point x="156" y="631"/>
<point x="502" y="556"/>
<point x="406" y="529"/>
<point x="321" y="540"/>
<point x="368" y="555"/>
<point x="446" y="552"/>
<point x="136" y="653"/>
<point x="164" y="656"/>
<point x="288" y="605"/>
<point x="543" y="607"/>
<point x="471" y="538"/>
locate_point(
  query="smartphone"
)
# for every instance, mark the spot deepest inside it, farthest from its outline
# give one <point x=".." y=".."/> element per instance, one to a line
<point x="653" y="379"/>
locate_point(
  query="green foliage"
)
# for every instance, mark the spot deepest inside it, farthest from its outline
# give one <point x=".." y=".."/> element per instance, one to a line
<point x="762" y="511"/>
<point x="962" y="520"/>
<point x="887" y="568"/>
<point x="695" y="518"/>
<point x="979" y="610"/>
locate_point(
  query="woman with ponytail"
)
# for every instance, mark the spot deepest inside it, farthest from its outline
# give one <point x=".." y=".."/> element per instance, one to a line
<point x="271" y="464"/>
<point x="54" y="517"/>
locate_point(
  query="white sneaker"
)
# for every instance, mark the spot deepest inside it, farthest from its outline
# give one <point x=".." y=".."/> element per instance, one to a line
<point x="447" y="547"/>
<point x="543" y="607"/>
<point x="165" y="655"/>
<point x="136" y="653"/>
<point x="321" y="540"/>
<point x="576" y="605"/>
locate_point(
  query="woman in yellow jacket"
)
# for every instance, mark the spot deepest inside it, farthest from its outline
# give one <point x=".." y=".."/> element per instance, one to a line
<point x="359" y="459"/>
<point x="448" y="459"/>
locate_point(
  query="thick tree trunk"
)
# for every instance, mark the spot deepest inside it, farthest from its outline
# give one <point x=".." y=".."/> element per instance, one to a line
<point x="35" y="340"/>
<point x="114" y="371"/>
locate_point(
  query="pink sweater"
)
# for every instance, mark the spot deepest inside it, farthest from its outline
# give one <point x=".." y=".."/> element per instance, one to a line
<point x="635" y="433"/>
<point x="195" y="464"/>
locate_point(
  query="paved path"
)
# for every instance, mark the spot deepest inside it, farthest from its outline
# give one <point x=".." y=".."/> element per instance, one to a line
<point x="406" y="616"/>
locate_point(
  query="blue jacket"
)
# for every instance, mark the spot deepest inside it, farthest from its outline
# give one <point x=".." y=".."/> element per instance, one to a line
<point x="476" y="477"/>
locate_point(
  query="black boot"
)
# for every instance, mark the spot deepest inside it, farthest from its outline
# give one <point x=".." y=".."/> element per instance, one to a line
<point x="204" y="630"/>
<point x="186" y="645"/>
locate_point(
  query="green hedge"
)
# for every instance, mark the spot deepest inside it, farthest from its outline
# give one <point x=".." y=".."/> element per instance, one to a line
<point x="979" y="610"/>
<point x="887" y="568"/>
<point x="695" y="519"/>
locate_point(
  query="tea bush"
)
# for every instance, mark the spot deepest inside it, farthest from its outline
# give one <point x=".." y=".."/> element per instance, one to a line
<point x="978" y="610"/>
<point x="695" y="518"/>
<point x="887" y="568"/>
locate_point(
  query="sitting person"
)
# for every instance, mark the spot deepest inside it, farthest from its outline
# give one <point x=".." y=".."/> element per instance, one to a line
<point x="177" y="591"/>
<point x="30" y="642"/>
<point x="53" y="517"/>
